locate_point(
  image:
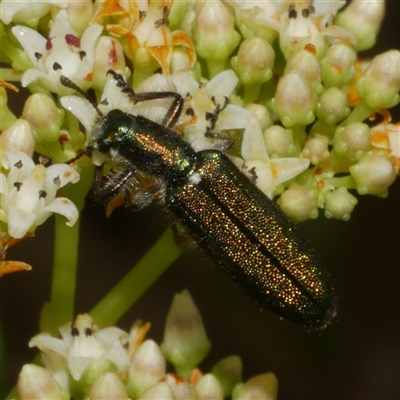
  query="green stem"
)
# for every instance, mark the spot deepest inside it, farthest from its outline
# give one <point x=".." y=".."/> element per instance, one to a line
<point x="251" y="92"/>
<point x="344" y="181"/>
<point x="64" y="273"/>
<point x="360" y="113"/>
<point x="65" y="262"/>
<point x="118" y="301"/>
<point x="215" y="67"/>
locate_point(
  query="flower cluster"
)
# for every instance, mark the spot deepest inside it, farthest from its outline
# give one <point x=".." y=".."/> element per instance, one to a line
<point x="88" y="362"/>
<point x="298" y="95"/>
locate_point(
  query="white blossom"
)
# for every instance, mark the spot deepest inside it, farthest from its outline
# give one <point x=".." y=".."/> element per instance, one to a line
<point x="28" y="193"/>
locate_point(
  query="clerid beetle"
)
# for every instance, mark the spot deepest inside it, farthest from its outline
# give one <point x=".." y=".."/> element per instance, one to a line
<point x="227" y="215"/>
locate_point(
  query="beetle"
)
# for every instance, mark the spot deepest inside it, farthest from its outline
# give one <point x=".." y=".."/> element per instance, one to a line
<point x="232" y="220"/>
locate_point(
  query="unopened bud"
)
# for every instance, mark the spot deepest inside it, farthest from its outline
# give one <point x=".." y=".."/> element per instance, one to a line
<point x="332" y="106"/>
<point x="363" y="19"/>
<point x="294" y="100"/>
<point x="298" y="203"/>
<point x="339" y="65"/>
<point x="35" y="382"/>
<point x="44" y="117"/>
<point x="108" y="386"/>
<point x="373" y="174"/>
<point x="380" y="84"/>
<point x="18" y="137"/>
<point x="254" y="61"/>
<point x="352" y="141"/>
<point x="263" y="386"/>
<point x="339" y="204"/>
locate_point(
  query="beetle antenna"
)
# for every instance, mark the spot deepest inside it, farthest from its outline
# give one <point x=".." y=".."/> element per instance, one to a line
<point x="72" y="85"/>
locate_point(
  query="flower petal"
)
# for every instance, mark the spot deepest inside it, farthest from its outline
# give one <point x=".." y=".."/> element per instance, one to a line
<point x="284" y="169"/>
<point x="19" y="222"/>
<point x="65" y="207"/>
<point x="32" y="41"/>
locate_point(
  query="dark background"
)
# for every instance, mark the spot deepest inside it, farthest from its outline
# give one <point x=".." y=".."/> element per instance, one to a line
<point x="356" y="358"/>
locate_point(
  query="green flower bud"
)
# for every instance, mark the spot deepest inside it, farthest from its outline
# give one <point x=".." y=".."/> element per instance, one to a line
<point x="363" y="19"/>
<point x="185" y="340"/>
<point x="380" y="84"/>
<point x="254" y="61"/>
<point x="44" y="118"/>
<point x="332" y="106"/>
<point x="18" y="137"/>
<point x="278" y="141"/>
<point x="316" y="149"/>
<point x="373" y="174"/>
<point x="148" y="366"/>
<point x="307" y="65"/>
<point x="160" y="390"/>
<point x="352" y="141"/>
<point x="339" y="65"/>
<point x="298" y="203"/>
<point x="35" y="382"/>
<point x="339" y="204"/>
<point x="108" y="386"/>
<point x="208" y="387"/>
<point x="294" y="100"/>
<point x="108" y="55"/>
<point x="214" y="35"/>
<point x="229" y="372"/>
<point x="263" y="386"/>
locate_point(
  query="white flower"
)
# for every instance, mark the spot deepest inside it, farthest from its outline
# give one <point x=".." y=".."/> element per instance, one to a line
<point x="28" y="193"/>
<point x="62" y="54"/>
<point x="82" y="346"/>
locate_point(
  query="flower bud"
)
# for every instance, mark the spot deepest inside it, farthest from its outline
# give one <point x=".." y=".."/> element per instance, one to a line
<point x="180" y="387"/>
<point x="332" y="106"/>
<point x="363" y="19"/>
<point x="307" y="65"/>
<point x="229" y="372"/>
<point x="261" y="113"/>
<point x="185" y="340"/>
<point x="44" y="117"/>
<point x="352" y="141"/>
<point x="160" y="390"/>
<point x="147" y="367"/>
<point x="263" y="386"/>
<point x="18" y="137"/>
<point x="294" y="100"/>
<point x="380" y="84"/>
<point x="339" y="204"/>
<point x="254" y="61"/>
<point x="35" y="382"/>
<point x="339" y="65"/>
<point x="316" y="149"/>
<point x="298" y="203"/>
<point x="108" y="386"/>
<point x="214" y="35"/>
<point x="373" y="174"/>
<point x="108" y="55"/>
<point x="208" y="387"/>
<point x="278" y="141"/>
